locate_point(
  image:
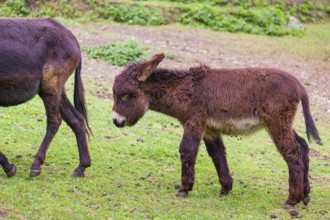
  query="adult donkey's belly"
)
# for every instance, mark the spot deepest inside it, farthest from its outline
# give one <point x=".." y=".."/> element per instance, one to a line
<point x="17" y="89"/>
<point x="20" y="72"/>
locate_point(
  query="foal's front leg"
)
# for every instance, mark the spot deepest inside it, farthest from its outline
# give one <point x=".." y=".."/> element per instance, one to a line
<point x="188" y="152"/>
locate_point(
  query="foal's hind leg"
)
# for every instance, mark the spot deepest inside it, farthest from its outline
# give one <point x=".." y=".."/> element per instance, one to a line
<point x="51" y="101"/>
<point x="76" y="122"/>
<point x="10" y="169"/>
<point x="303" y="153"/>
<point x="287" y="145"/>
<point x="217" y="152"/>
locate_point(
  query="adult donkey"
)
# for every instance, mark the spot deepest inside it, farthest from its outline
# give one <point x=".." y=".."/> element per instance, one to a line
<point x="211" y="102"/>
<point x="37" y="57"/>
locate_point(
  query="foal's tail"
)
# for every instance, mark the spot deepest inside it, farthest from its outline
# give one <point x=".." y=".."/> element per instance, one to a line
<point x="79" y="97"/>
<point x="311" y="129"/>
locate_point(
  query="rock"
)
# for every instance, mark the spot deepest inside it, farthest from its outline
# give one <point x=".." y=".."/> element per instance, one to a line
<point x="273" y="215"/>
<point x="294" y="23"/>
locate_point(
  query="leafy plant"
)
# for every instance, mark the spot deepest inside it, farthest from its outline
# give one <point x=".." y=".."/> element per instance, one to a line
<point x="267" y="20"/>
<point x="133" y="14"/>
<point x="118" y="54"/>
<point x="13" y="8"/>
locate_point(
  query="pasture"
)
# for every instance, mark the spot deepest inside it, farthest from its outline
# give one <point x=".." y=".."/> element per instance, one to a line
<point x="135" y="170"/>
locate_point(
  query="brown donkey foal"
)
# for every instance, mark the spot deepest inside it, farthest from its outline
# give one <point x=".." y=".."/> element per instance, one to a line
<point x="211" y="102"/>
<point x="37" y="57"/>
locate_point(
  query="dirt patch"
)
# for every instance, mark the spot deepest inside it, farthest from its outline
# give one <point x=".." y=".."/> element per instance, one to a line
<point x="316" y="154"/>
<point x="3" y="214"/>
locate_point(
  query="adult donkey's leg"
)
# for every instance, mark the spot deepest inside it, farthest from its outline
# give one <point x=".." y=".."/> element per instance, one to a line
<point x="51" y="101"/>
<point x="216" y="150"/>
<point x="10" y="169"/>
<point x="76" y="122"/>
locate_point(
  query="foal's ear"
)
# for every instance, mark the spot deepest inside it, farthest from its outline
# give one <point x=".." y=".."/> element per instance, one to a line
<point x="148" y="67"/>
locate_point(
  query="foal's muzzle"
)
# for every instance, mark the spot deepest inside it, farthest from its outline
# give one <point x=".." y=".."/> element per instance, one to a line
<point x="119" y="125"/>
<point x="118" y="120"/>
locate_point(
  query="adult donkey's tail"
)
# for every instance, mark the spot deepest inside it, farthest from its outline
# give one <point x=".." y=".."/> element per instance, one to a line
<point x="79" y="97"/>
<point x="311" y="129"/>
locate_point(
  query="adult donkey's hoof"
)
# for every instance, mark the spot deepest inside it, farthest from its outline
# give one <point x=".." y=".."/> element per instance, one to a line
<point x="306" y="200"/>
<point x="182" y="194"/>
<point x="34" y="173"/>
<point x="12" y="171"/>
<point x="78" y="174"/>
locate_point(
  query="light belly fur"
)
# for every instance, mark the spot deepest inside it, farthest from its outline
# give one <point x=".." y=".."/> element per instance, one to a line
<point x="235" y="126"/>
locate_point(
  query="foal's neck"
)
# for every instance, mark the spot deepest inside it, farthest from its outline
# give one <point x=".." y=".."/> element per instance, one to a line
<point x="170" y="91"/>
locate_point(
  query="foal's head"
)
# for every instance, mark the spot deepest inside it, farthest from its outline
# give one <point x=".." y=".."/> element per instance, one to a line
<point x="130" y="102"/>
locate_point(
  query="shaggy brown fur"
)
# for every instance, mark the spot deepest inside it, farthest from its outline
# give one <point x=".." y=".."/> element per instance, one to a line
<point x="37" y="57"/>
<point x="211" y="102"/>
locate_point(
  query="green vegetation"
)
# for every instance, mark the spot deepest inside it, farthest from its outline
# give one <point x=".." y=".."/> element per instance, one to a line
<point x="268" y="20"/>
<point x="130" y="14"/>
<point x="13" y="8"/>
<point x="256" y="17"/>
<point x="118" y="54"/>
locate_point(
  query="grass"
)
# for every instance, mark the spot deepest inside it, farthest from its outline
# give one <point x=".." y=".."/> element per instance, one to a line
<point x="134" y="170"/>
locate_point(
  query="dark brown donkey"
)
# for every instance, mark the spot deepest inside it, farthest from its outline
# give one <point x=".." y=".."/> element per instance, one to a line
<point x="211" y="102"/>
<point x="37" y="57"/>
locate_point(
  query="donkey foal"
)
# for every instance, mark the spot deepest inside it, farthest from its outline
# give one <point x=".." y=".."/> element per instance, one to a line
<point x="211" y="102"/>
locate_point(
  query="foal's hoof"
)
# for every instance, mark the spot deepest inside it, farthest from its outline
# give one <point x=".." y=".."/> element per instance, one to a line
<point x="223" y="194"/>
<point x="306" y="200"/>
<point x="78" y="174"/>
<point x="181" y="194"/>
<point x="293" y="212"/>
<point x="11" y="172"/>
<point x="34" y="173"/>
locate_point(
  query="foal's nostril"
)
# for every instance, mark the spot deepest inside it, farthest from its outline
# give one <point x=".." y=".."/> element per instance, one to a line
<point x="119" y="125"/>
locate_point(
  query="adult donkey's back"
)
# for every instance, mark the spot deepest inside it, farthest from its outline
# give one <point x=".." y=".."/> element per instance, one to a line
<point x="37" y="57"/>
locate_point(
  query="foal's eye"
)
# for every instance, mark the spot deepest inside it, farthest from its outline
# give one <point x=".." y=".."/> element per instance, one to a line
<point x="126" y="97"/>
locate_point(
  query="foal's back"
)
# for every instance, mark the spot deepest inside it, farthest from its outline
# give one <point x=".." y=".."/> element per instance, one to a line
<point x="238" y="100"/>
